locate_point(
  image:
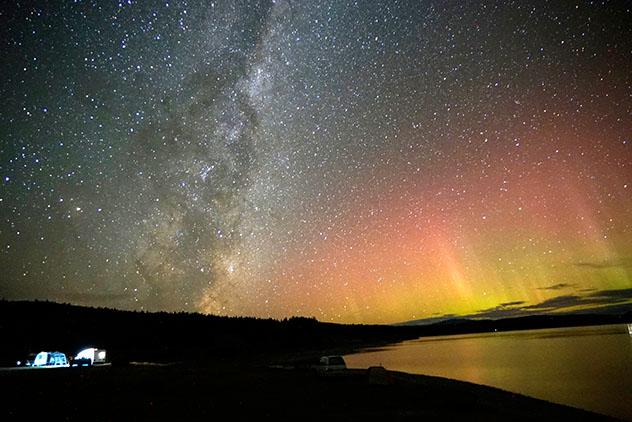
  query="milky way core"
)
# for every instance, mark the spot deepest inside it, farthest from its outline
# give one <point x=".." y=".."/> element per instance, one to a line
<point x="353" y="161"/>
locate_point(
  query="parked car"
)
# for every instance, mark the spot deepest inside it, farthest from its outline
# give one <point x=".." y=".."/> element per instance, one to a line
<point x="332" y="363"/>
<point x="81" y="362"/>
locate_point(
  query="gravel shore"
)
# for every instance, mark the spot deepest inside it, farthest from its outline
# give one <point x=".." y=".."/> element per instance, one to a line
<point x="194" y="392"/>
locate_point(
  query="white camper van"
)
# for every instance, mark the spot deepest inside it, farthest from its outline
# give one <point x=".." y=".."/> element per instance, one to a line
<point x="44" y="359"/>
<point x="90" y="356"/>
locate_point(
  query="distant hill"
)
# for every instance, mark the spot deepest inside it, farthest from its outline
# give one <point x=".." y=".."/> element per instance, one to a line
<point x="27" y="327"/>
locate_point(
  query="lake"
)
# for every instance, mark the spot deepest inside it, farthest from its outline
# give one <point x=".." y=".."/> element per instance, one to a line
<point x="585" y="367"/>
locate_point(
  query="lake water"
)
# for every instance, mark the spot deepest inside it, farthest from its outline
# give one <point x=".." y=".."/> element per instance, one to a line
<point x="585" y="367"/>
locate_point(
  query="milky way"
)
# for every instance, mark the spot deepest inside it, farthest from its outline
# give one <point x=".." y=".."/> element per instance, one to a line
<point x="353" y="161"/>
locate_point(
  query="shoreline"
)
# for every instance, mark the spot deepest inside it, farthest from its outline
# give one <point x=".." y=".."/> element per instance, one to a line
<point x="200" y="391"/>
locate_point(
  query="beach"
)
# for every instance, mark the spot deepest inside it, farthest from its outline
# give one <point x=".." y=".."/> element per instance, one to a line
<point x="144" y="391"/>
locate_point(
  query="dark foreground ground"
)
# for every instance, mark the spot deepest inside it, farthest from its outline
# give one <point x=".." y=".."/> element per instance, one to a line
<point x="179" y="392"/>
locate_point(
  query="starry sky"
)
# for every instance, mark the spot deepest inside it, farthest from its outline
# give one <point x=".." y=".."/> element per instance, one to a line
<point x="356" y="161"/>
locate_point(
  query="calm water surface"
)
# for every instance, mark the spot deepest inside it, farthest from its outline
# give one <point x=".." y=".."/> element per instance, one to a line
<point x="585" y="367"/>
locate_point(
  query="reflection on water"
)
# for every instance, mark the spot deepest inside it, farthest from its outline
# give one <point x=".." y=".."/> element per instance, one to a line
<point x="586" y="367"/>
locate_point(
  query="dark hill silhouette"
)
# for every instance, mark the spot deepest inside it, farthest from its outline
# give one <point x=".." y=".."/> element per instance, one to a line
<point x="27" y="327"/>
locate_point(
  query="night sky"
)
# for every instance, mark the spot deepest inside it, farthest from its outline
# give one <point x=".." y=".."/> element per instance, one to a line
<point x="352" y="161"/>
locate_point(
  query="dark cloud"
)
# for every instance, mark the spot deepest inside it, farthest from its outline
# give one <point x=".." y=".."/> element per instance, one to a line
<point x="499" y="312"/>
<point x="518" y="302"/>
<point x="558" y="286"/>
<point x="612" y="295"/>
<point x="558" y="302"/>
<point x="596" y="300"/>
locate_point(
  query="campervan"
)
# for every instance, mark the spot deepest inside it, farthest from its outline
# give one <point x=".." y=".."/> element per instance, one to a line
<point x="90" y="356"/>
<point x="44" y="359"/>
